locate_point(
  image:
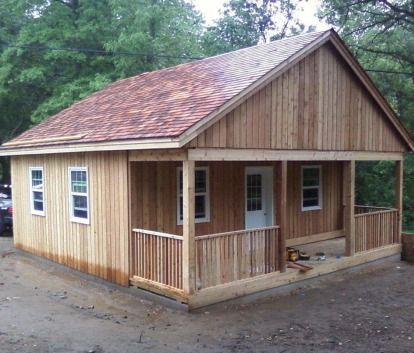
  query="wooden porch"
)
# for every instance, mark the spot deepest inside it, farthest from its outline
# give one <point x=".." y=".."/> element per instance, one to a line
<point x="207" y="268"/>
<point x="235" y="260"/>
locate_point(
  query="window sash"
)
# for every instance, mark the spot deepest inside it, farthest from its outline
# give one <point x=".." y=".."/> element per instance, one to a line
<point x="37" y="196"/>
<point x="79" y="189"/>
<point x="198" y="216"/>
<point x="254" y="190"/>
<point x="314" y="182"/>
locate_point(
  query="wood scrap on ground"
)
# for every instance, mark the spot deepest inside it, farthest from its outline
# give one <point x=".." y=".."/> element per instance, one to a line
<point x="298" y="266"/>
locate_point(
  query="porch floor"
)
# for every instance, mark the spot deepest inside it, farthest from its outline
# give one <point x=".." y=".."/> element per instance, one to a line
<point x="334" y="249"/>
<point x="335" y="260"/>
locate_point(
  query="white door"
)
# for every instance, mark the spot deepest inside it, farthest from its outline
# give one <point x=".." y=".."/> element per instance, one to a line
<point x="258" y="197"/>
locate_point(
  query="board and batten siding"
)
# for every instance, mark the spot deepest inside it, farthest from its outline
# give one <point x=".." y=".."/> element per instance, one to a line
<point x="329" y="218"/>
<point x="318" y="104"/>
<point x="100" y="248"/>
<point x="154" y="198"/>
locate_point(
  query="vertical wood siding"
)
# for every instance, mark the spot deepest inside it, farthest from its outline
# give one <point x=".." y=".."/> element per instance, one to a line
<point x="154" y="193"/>
<point x="329" y="218"/>
<point x="154" y="197"/>
<point x="316" y="105"/>
<point x="100" y="248"/>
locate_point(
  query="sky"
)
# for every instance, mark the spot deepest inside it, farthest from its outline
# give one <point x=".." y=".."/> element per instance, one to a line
<point x="210" y="10"/>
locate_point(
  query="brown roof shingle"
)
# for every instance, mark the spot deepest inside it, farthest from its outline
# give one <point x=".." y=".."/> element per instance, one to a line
<point x="167" y="102"/>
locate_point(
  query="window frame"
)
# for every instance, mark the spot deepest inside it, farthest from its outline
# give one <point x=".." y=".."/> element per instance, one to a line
<point x="319" y="187"/>
<point x="33" y="211"/>
<point x="206" y="194"/>
<point x="73" y="218"/>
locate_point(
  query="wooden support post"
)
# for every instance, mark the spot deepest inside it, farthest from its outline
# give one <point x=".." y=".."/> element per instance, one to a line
<point x="189" y="261"/>
<point x="399" y="179"/>
<point x="349" y="206"/>
<point x="281" y="194"/>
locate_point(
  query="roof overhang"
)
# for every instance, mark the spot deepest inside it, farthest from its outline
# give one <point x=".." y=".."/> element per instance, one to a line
<point x="144" y="144"/>
<point x="178" y="142"/>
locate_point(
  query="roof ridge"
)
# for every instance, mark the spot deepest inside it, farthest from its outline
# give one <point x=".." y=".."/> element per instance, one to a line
<point x="265" y="44"/>
<point x="222" y="54"/>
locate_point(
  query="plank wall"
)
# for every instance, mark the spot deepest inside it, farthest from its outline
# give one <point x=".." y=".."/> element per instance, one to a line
<point x="154" y="203"/>
<point x="318" y="104"/>
<point x="329" y="218"/>
<point x="154" y="197"/>
<point x="100" y="248"/>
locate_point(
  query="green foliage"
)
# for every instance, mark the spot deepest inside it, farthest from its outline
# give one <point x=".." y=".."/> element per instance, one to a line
<point x="169" y="27"/>
<point x="369" y="174"/>
<point x="246" y="22"/>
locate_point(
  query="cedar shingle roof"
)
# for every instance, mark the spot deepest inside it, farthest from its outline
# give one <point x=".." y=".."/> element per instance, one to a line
<point x="164" y="103"/>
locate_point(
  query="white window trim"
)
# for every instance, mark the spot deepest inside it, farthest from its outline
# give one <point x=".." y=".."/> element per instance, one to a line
<point x="71" y="194"/>
<point x="32" y="210"/>
<point x="319" y="206"/>
<point x="207" y="194"/>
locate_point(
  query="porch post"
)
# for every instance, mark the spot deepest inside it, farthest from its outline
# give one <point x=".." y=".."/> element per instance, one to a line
<point x="399" y="177"/>
<point x="189" y="265"/>
<point x="349" y="206"/>
<point x="281" y="194"/>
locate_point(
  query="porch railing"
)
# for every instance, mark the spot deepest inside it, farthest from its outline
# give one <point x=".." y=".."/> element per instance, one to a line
<point x="220" y="258"/>
<point x="231" y="256"/>
<point x="375" y="227"/>
<point x="157" y="257"/>
<point x="369" y="209"/>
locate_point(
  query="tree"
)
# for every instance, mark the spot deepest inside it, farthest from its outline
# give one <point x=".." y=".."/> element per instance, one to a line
<point x="166" y="31"/>
<point x="247" y="22"/>
<point x="53" y="79"/>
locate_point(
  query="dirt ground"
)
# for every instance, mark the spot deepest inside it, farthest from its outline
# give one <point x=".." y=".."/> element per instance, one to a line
<point x="46" y="308"/>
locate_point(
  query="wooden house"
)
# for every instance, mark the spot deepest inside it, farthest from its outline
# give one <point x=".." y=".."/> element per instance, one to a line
<point x="191" y="181"/>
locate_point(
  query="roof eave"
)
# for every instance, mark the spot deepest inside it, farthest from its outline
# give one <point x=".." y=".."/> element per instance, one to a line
<point x="121" y="145"/>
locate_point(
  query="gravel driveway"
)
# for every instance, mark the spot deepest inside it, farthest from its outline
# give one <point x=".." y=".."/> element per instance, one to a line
<point x="46" y="308"/>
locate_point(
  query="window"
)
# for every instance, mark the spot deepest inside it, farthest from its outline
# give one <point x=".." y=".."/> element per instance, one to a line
<point x="254" y="192"/>
<point x="202" y="208"/>
<point x="79" y="198"/>
<point x="37" y="203"/>
<point x="311" y="188"/>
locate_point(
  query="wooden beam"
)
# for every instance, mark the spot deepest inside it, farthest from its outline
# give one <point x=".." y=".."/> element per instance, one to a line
<point x="158" y="288"/>
<point x="250" y="285"/>
<point x="189" y="261"/>
<point x="281" y="212"/>
<point x="399" y="185"/>
<point x="349" y="206"/>
<point x="222" y="154"/>
<point x="158" y="155"/>
<point x="315" y="238"/>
